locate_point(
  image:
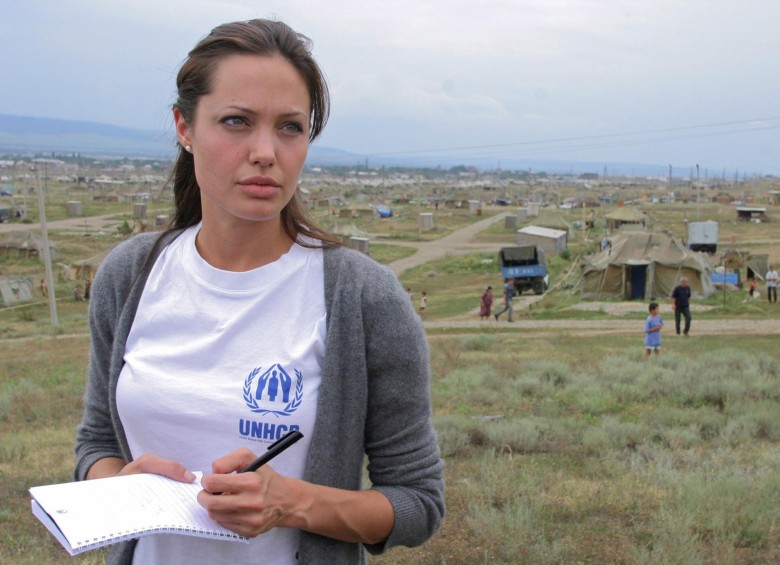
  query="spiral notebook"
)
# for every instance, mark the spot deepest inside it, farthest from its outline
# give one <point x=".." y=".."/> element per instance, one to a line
<point x="87" y="515"/>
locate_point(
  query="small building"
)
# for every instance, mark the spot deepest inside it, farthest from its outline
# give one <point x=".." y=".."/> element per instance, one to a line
<point x="750" y="213"/>
<point x="552" y="241"/>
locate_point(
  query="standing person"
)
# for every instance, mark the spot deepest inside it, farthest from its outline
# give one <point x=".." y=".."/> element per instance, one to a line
<point x="486" y="303"/>
<point x="78" y="296"/>
<point x="423" y="304"/>
<point x="771" y="285"/>
<point x="509" y="292"/>
<point x="193" y="330"/>
<point x="653" y="326"/>
<point x="681" y="304"/>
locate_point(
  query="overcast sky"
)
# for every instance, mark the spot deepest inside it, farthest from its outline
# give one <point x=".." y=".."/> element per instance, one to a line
<point x="679" y="82"/>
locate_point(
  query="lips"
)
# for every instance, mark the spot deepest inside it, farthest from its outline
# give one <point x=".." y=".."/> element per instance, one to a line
<point x="260" y="181"/>
<point x="260" y="186"/>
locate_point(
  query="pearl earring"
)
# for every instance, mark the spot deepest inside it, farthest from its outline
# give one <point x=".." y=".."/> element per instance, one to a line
<point x="188" y="148"/>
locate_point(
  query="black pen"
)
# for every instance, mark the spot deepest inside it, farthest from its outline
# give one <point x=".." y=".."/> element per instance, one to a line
<point x="273" y="450"/>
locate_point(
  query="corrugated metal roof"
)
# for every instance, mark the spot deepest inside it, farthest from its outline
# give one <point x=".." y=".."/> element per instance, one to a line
<point x="543" y="232"/>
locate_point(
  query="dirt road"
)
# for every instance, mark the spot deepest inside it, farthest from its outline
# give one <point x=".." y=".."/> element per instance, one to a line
<point x="461" y="242"/>
<point x="81" y="223"/>
<point x="458" y="242"/>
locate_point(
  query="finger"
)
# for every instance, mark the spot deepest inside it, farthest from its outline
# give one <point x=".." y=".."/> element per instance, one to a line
<point x="233" y="483"/>
<point x="149" y="463"/>
<point x="233" y="461"/>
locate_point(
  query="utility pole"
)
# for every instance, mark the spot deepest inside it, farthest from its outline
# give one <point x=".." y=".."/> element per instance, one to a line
<point x="698" y="195"/>
<point x="47" y="255"/>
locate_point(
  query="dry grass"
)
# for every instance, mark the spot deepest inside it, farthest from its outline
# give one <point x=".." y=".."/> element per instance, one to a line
<point x="587" y="455"/>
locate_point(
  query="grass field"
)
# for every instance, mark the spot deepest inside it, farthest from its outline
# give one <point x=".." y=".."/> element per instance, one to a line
<point x="559" y="449"/>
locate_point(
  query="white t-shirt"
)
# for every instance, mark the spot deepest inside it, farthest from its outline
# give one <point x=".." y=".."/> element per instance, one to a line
<point x="219" y="360"/>
<point x="771" y="278"/>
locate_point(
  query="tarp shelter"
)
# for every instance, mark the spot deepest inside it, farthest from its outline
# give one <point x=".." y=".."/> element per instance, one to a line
<point x="348" y="230"/>
<point x="553" y="242"/>
<point x="644" y="265"/>
<point x="622" y="216"/>
<point x="25" y="244"/>
<point x="86" y="268"/>
<point x="15" y="289"/>
<point x="366" y="213"/>
<point x="758" y="266"/>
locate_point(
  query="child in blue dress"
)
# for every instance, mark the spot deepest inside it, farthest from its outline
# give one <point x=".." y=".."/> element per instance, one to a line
<point x="653" y="327"/>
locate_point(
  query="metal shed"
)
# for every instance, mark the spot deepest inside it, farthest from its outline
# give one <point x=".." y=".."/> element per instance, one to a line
<point x="550" y="240"/>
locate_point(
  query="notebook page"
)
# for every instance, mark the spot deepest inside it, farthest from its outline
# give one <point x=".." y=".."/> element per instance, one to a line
<point x="103" y="511"/>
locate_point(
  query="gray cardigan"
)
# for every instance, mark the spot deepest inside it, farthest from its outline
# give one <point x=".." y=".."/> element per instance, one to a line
<point x="374" y="398"/>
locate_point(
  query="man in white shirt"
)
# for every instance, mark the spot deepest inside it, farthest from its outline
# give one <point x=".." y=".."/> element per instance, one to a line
<point x="771" y="285"/>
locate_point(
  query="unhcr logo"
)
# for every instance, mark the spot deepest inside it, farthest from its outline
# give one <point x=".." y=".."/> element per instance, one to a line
<point x="273" y="392"/>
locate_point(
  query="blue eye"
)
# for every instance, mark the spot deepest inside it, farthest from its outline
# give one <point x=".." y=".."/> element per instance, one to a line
<point x="234" y="121"/>
<point x="293" y="127"/>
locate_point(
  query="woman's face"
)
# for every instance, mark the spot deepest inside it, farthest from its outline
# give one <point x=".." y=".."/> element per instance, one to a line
<point x="249" y="138"/>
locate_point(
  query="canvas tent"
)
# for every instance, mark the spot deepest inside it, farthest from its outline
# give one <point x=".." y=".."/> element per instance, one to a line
<point x="758" y="266"/>
<point x="644" y="265"/>
<point x="15" y="289"/>
<point x="622" y="216"/>
<point x="25" y="244"/>
<point x="86" y="268"/>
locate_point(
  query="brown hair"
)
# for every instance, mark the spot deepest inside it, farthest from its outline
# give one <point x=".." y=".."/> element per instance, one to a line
<point x="253" y="37"/>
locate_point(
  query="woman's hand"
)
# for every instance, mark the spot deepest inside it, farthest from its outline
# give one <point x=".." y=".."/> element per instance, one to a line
<point x="147" y="463"/>
<point x="253" y="503"/>
<point x="248" y="503"/>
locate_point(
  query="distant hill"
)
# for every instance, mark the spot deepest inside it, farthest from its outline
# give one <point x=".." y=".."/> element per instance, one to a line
<point x="27" y="134"/>
<point x="19" y="134"/>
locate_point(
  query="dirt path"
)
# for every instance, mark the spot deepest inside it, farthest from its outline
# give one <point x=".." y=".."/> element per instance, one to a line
<point x="82" y="223"/>
<point x="548" y="328"/>
<point x="458" y="242"/>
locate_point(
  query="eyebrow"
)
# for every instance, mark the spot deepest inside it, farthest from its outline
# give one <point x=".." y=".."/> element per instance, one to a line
<point x="293" y="113"/>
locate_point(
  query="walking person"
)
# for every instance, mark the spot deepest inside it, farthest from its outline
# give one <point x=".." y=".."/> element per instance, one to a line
<point x="653" y="326"/>
<point x="486" y="303"/>
<point x="509" y="292"/>
<point x="244" y="320"/>
<point x="681" y="304"/>
<point x="771" y="285"/>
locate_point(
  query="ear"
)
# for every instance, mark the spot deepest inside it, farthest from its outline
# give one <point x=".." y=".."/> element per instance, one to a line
<point x="182" y="129"/>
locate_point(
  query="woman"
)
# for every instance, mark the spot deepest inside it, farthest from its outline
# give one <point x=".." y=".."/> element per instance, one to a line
<point x="209" y="341"/>
<point x="486" y="303"/>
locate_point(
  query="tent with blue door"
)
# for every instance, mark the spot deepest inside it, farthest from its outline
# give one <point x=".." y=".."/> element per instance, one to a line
<point x="644" y="266"/>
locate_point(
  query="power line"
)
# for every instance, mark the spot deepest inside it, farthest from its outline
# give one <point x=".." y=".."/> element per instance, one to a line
<point x="439" y="151"/>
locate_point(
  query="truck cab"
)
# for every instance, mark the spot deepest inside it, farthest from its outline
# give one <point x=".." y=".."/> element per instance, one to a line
<point x="526" y="265"/>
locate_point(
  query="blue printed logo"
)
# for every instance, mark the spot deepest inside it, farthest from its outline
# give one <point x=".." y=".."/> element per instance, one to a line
<point x="273" y="392"/>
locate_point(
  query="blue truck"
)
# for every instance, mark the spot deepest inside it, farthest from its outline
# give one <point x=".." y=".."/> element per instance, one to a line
<point x="525" y="264"/>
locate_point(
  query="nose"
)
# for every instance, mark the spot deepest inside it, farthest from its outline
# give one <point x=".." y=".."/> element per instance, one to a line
<point x="262" y="150"/>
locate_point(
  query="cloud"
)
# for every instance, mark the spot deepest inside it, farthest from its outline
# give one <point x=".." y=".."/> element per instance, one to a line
<point x="451" y="72"/>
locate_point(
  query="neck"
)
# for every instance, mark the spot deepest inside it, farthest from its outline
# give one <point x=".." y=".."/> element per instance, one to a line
<point x="242" y="246"/>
